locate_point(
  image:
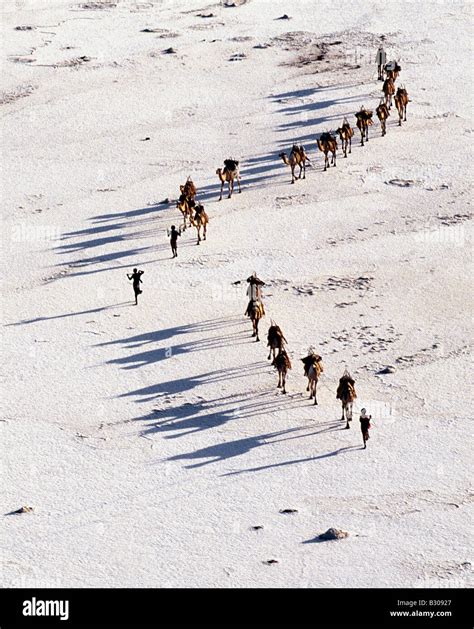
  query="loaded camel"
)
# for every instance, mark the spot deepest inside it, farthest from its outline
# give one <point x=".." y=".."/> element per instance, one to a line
<point x="364" y="121"/>
<point x="282" y="364"/>
<point x="347" y="394"/>
<point x="392" y="70"/>
<point x="297" y="157"/>
<point x="200" y="221"/>
<point x="382" y="114"/>
<point x="185" y="203"/>
<point x="276" y="340"/>
<point x="401" y="102"/>
<point x="327" y="143"/>
<point x="388" y="88"/>
<point x="255" y="309"/>
<point x="313" y="368"/>
<point x="345" y="132"/>
<point x="229" y="174"/>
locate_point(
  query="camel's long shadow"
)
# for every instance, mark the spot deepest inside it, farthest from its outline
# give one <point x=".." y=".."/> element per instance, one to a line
<point x="163" y="353"/>
<point x="295" y="461"/>
<point x="195" y="417"/>
<point x="266" y="401"/>
<point x="156" y="336"/>
<point x="180" y="385"/>
<point x="137" y="253"/>
<point x="324" y="104"/>
<point x="107" y="257"/>
<point x="239" y="447"/>
<point x="70" y="314"/>
<point x="312" y="90"/>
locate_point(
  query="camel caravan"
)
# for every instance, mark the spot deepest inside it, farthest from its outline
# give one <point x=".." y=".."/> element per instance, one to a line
<point x="312" y="362"/>
<point x="195" y="214"/>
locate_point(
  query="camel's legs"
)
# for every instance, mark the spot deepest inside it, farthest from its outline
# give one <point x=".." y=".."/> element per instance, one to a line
<point x="303" y="167"/>
<point x="238" y="182"/>
<point x="350" y="145"/>
<point x="279" y="380"/>
<point x="293" y="173"/>
<point x="343" y="408"/>
<point x="315" y="385"/>
<point x="231" y="188"/>
<point x="222" y="188"/>
<point x="284" y="382"/>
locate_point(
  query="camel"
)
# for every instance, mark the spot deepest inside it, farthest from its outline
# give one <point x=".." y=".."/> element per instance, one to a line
<point x="230" y="172"/>
<point x="388" y="89"/>
<point x="185" y="203"/>
<point x="347" y="394"/>
<point x="327" y="143"/>
<point x="200" y="220"/>
<point x="282" y="364"/>
<point x="394" y="70"/>
<point x="313" y="368"/>
<point x="345" y="133"/>
<point x="382" y="114"/>
<point x="401" y="102"/>
<point x="364" y="121"/>
<point x="189" y="189"/>
<point x="276" y="340"/>
<point x="255" y="311"/>
<point x="297" y="157"/>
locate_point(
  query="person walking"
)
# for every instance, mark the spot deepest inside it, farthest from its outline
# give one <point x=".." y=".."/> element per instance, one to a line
<point x="136" y="277"/>
<point x="380" y="60"/>
<point x="365" y="425"/>
<point x="174" y="235"/>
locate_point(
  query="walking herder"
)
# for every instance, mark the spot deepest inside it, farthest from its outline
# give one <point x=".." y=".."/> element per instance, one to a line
<point x="136" y="277"/>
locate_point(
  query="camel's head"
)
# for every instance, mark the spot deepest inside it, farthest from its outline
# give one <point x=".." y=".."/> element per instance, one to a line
<point x="219" y="171"/>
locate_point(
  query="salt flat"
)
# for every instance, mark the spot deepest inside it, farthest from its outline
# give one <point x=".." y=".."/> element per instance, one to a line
<point x="150" y="440"/>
